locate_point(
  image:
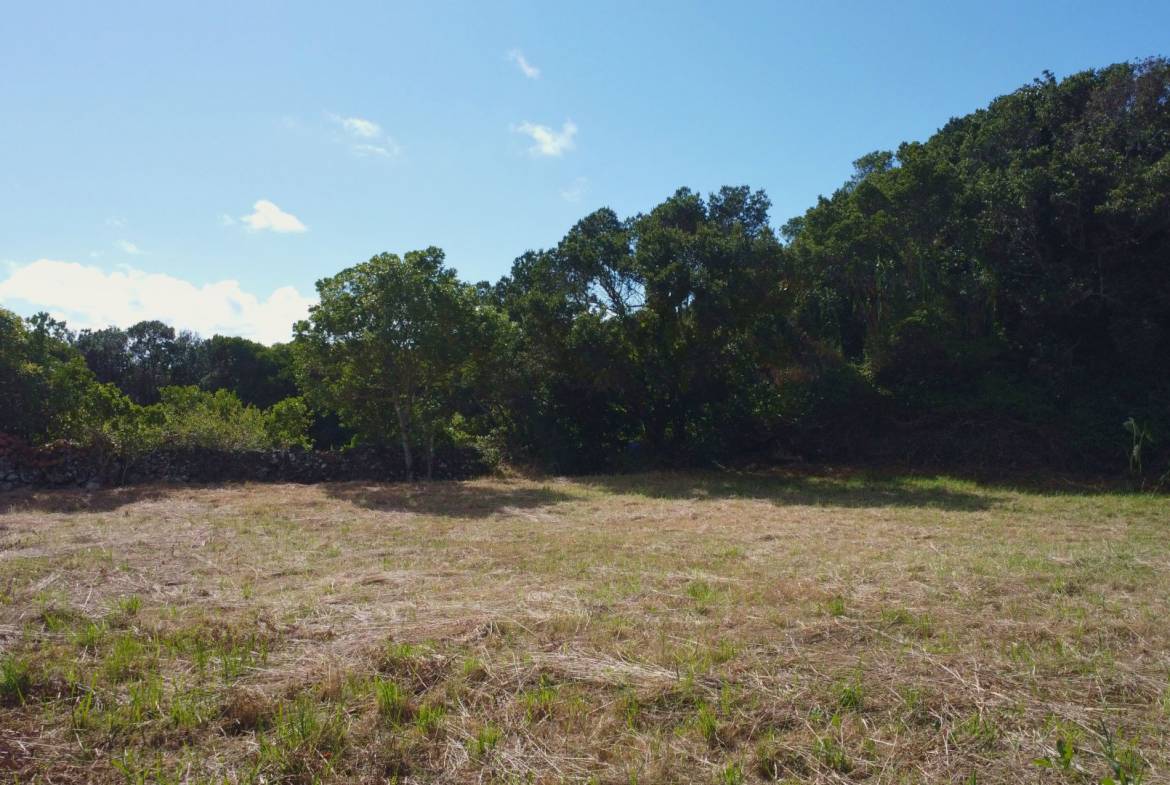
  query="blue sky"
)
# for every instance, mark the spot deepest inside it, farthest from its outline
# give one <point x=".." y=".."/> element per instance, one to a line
<point x="206" y="163"/>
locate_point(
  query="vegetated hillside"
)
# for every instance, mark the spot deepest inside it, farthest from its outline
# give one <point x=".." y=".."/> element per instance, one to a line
<point x="1014" y="266"/>
<point x="996" y="296"/>
<point x="653" y="628"/>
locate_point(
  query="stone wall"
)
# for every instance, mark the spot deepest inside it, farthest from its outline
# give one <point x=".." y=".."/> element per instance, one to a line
<point x="63" y="465"/>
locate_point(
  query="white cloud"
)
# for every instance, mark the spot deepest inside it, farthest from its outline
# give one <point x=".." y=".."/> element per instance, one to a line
<point x="575" y="191"/>
<point x="90" y="296"/>
<point x="266" y="215"/>
<point x="115" y="223"/>
<point x="226" y="220"/>
<point x="128" y="247"/>
<point x="547" y="141"/>
<point x="366" y="129"/>
<point x="388" y="149"/>
<point x="371" y="141"/>
<point x="527" y="68"/>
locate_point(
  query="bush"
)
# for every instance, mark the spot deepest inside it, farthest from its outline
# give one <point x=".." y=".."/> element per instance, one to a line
<point x="287" y="423"/>
<point x="827" y="412"/>
<point x="46" y="390"/>
<point x="188" y="417"/>
<point x="928" y="352"/>
<point x="193" y="418"/>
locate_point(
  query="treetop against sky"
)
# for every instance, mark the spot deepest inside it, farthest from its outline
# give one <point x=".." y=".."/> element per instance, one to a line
<point x="206" y="165"/>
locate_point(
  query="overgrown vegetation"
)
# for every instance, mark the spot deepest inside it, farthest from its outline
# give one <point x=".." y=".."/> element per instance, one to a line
<point x="996" y="295"/>
<point x="51" y="394"/>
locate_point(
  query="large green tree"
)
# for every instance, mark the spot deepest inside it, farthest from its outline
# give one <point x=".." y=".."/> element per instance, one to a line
<point x="260" y="375"/>
<point x="654" y="337"/>
<point x="387" y="347"/>
<point x="46" y="390"/>
<point x="1013" y="267"/>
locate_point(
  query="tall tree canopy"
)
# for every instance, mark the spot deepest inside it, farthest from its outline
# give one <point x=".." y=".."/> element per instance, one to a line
<point x="388" y="345"/>
<point x="999" y="290"/>
<point x="658" y="334"/>
<point x="1016" y="260"/>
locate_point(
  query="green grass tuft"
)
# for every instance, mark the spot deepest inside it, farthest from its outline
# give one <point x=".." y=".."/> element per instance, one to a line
<point x="393" y="701"/>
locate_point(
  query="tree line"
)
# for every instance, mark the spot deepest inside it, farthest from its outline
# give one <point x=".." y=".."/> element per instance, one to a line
<point x="997" y="293"/>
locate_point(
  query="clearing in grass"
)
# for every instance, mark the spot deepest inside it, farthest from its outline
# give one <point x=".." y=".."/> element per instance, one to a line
<point x="686" y="627"/>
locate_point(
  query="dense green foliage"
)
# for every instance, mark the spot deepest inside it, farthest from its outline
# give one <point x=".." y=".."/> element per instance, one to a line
<point x="394" y="347"/>
<point x="190" y="417"/>
<point x="657" y="338"/>
<point x="1015" y="264"/>
<point x="999" y="293"/>
<point x="148" y="356"/>
<point x="48" y="392"/>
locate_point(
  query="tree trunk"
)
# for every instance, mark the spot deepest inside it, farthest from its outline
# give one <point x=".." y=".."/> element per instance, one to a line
<point x="431" y="455"/>
<point x="404" y="429"/>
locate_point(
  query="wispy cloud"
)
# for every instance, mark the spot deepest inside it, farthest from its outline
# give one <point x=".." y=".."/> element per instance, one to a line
<point x="527" y="68"/>
<point x="91" y="296"/>
<point x="548" y="142"/>
<point x="128" y="247"/>
<point x="366" y="129"/>
<point x="388" y="149"/>
<point x="115" y="223"/>
<point x="366" y="139"/>
<point x="266" y="215"/>
<point x="575" y="191"/>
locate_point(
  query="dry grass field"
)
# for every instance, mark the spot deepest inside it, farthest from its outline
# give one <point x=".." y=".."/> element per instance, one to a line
<point x="689" y="627"/>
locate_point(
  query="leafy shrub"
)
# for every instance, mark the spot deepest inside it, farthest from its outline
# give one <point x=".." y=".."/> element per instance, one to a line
<point x="193" y="418"/>
<point x="46" y="390"/>
<point x="287" y="422"/>
<point x="926" y="351"/>
<point x="826" y="411"/>
<point x="189" y="417"/>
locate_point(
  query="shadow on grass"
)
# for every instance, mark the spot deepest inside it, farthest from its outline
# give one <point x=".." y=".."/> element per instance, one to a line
<point x="444" y="498"/>
<point x="812" y="485"/>
<point x="819" y="487"/>
<point x="71" y="500"/>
